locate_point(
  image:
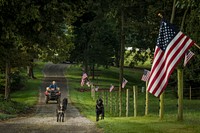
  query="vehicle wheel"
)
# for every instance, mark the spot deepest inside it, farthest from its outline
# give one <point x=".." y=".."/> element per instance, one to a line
<point x="46" y="99"/>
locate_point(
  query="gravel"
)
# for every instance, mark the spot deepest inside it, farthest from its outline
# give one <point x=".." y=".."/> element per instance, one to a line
<point x="44" y="118"/>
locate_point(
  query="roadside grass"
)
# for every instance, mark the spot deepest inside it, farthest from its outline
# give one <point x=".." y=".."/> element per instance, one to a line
<point x="22" y="101"/>
<point x="140" y="124"/>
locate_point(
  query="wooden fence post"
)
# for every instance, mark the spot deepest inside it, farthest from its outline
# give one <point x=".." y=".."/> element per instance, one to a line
<point x="147" y="100"/>
<point x="111" y="103"/>
<point x="106" y="101"/>
<point x="127" y="102"/>
<point x="135" y="94"/>
<point x="190" y="93"/>
<point x="116" y="105"/>
<point x="161" y="109"/>
<point x="92" y="91"/>
<point x="180" y="94"/>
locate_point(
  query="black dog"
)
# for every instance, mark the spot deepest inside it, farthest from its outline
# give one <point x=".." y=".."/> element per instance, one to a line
<point x="60" y="111"/>
<point x="99" y="109"/>
<point x="65" y="102"/>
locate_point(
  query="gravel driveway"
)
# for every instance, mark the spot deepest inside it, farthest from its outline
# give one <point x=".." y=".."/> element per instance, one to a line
<point x="44" y="119"/>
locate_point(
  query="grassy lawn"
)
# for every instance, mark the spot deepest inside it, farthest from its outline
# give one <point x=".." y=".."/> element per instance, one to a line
<point x="141" y="123"/>
<point x="22" y="101"/>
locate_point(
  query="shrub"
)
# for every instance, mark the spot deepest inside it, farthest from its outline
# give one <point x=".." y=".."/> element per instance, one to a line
<point x="17" y="80"/>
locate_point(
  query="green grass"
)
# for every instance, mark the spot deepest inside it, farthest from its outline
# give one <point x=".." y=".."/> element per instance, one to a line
<point x="23" y="101"/>
<point x="147" y="125"/>
<point x="141" y="123"/>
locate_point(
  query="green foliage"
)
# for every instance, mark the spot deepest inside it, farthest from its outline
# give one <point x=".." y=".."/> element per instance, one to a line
<point x="17" y="80"/>
<point x="12" y="107"/>
<point x="134" y="57"/>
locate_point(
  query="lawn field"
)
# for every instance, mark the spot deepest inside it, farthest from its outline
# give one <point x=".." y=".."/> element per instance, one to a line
<point x="140" y="124"/>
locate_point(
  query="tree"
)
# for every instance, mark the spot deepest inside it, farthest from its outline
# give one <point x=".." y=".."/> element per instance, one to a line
<point x="28" y="27"/>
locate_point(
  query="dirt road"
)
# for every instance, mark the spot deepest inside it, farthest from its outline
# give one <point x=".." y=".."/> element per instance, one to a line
<point x="44" y="119"/>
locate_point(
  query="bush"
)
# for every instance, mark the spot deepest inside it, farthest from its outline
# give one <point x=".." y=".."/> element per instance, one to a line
<point x="17" y="80"/>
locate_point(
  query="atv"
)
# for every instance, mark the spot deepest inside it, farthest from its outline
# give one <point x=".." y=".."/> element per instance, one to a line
<point x="52" y="94"/>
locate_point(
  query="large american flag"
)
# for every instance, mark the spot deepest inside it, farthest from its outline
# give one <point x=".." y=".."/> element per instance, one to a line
<point x="188" y="56"/>
<point x="170" y="49"/>
<point x="145" y="75"/>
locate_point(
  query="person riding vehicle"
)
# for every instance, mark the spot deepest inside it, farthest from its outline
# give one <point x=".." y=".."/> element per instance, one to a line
<point x="53" y="85"/>
<point x="52" y="92"/>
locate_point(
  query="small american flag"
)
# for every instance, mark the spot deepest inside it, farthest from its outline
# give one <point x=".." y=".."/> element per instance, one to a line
<point x="84" y="76"/>
<point x="145" y="76"/>
<point x="111" y="87"/>
<point x="124" y="82"/>
<point x="82" y="82"/>
<point x="88" y="83"/>
<point x="96" y="88"/>
<point x="188" y="56"/>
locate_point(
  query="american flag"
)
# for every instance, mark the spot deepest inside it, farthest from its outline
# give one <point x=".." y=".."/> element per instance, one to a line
<point x="88" y="83"/>
<point x="170" y="49"/>
<point x="124" y="82"/>
<point x="145" y="75"/>
<point x="111" y="87"/>
<point x="84" y="76"/>
<point x="96" y="88"/>
<point x="82" y="82"/>
<point x="188" y="56"/>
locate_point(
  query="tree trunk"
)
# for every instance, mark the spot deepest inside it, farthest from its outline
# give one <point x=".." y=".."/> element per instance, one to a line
<point x="173" y="12"/>
<point x="121" y="72"/>
<point x="7" y="83"/>
<point x="30" y="70"/>
<point x="180" y="77"/>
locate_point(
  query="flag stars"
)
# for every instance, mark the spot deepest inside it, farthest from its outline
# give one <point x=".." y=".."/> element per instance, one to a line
<point x="165" y="35"/>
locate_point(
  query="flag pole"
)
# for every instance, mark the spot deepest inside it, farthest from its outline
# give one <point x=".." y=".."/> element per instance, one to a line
<point x="196" y="45"/>
<point x="147" y="100"/>
<point x="161" y="98"/>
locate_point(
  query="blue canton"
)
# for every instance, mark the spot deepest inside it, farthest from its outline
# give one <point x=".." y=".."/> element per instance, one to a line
<point x="145" y="72"/>
<point x="166" y="34"/>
